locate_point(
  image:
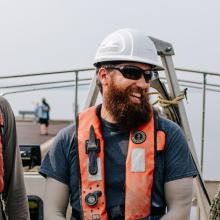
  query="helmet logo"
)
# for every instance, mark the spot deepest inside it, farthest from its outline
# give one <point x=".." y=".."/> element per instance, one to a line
<point x="138" y="137"/>
<point x="112" y="44"/>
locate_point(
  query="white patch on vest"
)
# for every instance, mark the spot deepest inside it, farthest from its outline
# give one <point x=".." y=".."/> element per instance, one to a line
<point x="138" y="160"/>
<point x="98" y="176"/>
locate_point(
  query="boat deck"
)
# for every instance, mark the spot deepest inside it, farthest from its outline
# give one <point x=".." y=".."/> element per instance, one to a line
<point x="28" y="131"/>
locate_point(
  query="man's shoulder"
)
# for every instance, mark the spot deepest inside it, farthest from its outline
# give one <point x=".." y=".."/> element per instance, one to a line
<point x="2" y="99"/>
<point x="175" y="138"/>
<point x="6" y="112"/>
<point x="167" y="125"/>
<point x="3" y="103"/>
<point x="63" y="141"/>
<point x="67" y="132"/>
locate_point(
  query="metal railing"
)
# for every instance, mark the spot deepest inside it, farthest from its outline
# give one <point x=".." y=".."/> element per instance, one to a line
<point x="204" y="85"/>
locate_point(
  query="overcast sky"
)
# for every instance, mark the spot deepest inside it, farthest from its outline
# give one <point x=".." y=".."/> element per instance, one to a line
<point x="47" y="35"/>
<point x="51" y="35"/>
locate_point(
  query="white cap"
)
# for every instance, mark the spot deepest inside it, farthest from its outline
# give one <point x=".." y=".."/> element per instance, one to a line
<point x="128" y="45"/>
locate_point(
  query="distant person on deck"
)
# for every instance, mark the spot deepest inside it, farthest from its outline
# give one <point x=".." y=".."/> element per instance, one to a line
<point x="42" y="112"/>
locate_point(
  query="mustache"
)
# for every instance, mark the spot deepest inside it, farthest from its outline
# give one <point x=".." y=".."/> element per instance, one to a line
<point x="143" y="92"/>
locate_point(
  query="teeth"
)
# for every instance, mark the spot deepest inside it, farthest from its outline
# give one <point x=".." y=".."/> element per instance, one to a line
<point x="136" y="95"/>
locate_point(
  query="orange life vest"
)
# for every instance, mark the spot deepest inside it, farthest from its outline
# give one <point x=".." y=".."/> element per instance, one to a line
<point x="139" y="168"/>
<point x="1" y="155"/>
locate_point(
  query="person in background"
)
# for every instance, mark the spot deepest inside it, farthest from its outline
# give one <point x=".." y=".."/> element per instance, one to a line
<point x="14" y="202"/>
<point x="43" y="115"/>
<point x="36" y="112"/>
<point x="121" y="160"/>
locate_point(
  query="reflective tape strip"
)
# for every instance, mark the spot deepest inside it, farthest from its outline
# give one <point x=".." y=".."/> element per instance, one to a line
<point x="138" y="160"/>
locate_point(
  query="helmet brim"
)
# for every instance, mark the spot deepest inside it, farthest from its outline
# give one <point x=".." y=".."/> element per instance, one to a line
<point x="157" y="67"/>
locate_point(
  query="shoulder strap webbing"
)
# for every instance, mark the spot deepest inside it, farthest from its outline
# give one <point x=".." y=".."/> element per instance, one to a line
<point x="160" y="136"/>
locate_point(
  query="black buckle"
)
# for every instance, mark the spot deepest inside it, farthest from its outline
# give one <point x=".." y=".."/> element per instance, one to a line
<point x="92" y="148"/>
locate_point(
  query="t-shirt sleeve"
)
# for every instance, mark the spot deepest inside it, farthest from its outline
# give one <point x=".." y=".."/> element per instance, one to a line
<point x="178" y="160"/>
<point x="55" y="163"/>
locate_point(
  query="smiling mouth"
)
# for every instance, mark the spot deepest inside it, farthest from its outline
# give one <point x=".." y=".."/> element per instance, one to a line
<point x="136" y="96"/>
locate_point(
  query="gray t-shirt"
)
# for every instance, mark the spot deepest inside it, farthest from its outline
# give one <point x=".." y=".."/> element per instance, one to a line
<point x="175" y="162"/>
<point x="14" y="194"/>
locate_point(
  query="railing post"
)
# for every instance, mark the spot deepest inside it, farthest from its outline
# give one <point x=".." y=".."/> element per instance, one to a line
<point x="76" y="95"/>
<point x="203" y="129"/>
<point x="203" y="118"/>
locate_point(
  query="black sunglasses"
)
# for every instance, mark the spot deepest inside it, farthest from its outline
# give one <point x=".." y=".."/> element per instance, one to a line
<point x="133" y="72"/>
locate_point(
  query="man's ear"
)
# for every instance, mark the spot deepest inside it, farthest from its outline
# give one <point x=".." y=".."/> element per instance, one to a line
<point x="103" y="76"/>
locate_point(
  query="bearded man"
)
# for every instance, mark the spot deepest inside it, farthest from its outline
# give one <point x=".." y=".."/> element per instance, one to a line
<point x="121" y="160"/>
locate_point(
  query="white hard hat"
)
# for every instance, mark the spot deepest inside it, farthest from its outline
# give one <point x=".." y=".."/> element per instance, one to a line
<point x="128" y="45"/>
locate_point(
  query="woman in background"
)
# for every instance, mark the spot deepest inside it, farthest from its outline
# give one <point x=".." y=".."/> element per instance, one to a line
<point x="43" y="116"/>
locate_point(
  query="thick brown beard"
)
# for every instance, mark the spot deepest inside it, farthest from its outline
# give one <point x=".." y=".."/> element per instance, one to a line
<point x="127" y="114"/>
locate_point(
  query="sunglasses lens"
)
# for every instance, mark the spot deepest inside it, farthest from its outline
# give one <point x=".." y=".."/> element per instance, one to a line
<point x="148" y="75"/>
<point x="136" y="73"/>
<point x="131" y="73"/>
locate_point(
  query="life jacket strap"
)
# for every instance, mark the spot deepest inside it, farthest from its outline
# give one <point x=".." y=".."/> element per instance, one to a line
<point x="116" y="212"/>
<point x="92" y="148"/>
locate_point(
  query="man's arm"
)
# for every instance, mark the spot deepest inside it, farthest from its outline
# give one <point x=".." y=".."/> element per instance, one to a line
<point x="16" y="202"/>
<point x="178" y="195"/>
<point x="55" y="168"/>
<point x="14" y="194"/>
<point x="56" y="199"/>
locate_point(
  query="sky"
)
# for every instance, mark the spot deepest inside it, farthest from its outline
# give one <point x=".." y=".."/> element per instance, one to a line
<point x="50" y="35"/>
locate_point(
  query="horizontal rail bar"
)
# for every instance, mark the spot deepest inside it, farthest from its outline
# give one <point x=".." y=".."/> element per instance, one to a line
<point x="45" y="88"/>
<point x="195" y="87"/>
<point x="194" y="82"/>
<point x="198" y="71"/>
<point x="85" y="84"/>
<point x="198" y="87"/>
<point x="41" y="83"/>
<point x="90" y="69"/>
<point x="45" y="73"/>
<point x="86" y="79"/>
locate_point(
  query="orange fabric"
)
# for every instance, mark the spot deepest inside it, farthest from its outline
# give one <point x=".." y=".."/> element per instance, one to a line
<point x="1" y="158"/>
<point x="161" y="139"/>
<point x="138" y="185"/>
<point x="86" y="119"/>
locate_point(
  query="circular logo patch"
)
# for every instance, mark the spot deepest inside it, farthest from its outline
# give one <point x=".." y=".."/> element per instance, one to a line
<point x="138" y="137"/>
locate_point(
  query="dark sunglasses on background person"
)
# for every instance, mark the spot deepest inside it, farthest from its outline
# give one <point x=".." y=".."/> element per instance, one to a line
<point x="133" y="72"/>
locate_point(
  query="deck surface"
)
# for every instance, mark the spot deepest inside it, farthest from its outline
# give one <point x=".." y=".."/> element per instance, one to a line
<point x="28" y="131"/>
